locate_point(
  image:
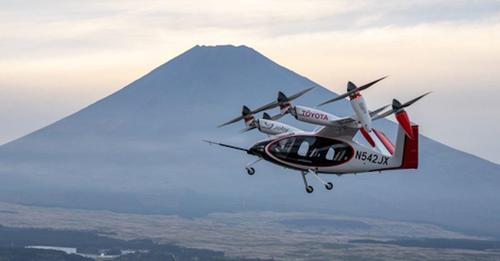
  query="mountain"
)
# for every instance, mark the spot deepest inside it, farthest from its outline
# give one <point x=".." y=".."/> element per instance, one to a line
<point x="141" y="150"/>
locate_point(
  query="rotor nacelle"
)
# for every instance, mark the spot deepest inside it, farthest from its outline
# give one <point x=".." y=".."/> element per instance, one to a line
<point x="359" y="107"/>
<point x="313" y="116"/>
<point x="402" y="117"/>
<point x="358" y="103"/>
<point x="248" y="117"/>
<point x="271" y="127"/>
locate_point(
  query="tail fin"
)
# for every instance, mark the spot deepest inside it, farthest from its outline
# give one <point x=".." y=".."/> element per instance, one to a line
<point x="406" y="152"/>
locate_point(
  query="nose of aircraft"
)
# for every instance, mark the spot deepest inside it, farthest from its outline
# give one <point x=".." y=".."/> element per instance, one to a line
<point x="258" y="149"/>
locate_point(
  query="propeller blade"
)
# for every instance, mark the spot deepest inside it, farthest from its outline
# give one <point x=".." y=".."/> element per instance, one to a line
<point x="245" y="111"/>
<point x="231" y="121"/>
<point x="351" y="89"/>
<point x="414" y="100"/>
<point x="297" y="95"/>
<point x="377" y="111"/>
<point x="266" y="107"/>
<point x="277" y="117"/>
<point x="266" y="116"/>
<point x="340" y="97"/>
<point x="398" y="106"/>
<point x="383" y="115"/>
<point x="275" y="104"/>
<point x="368" y="85"/>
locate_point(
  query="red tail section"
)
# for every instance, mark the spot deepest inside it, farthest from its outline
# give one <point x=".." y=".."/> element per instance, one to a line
<point x="410" y="153"/>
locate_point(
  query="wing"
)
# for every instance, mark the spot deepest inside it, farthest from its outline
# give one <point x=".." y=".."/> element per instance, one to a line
<point x="350" y="121"/>
<point x="337" y="131"/>
<point x="344" y="122"/>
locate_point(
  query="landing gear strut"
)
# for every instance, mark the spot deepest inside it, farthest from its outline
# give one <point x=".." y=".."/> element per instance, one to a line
<point x="250" y="170"/>
<point x="310" y="189"/>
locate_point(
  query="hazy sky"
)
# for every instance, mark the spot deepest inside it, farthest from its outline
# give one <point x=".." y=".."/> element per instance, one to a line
<point x="58" y="56"/>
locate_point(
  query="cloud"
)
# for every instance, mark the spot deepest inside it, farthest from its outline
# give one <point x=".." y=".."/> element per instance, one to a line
<point x="50" y="28"/>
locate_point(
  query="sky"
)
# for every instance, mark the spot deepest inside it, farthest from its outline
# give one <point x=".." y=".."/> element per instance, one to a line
<point x="59" y="56"/>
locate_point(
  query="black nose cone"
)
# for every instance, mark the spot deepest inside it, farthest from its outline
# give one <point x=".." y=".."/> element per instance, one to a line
<point x="258" y="149"/>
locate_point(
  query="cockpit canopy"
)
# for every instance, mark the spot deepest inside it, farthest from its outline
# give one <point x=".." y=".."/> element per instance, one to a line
<point x="312" y="151"/>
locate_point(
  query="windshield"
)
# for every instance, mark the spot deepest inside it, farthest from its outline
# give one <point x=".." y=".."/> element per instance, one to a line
<point x="312" y="151"/>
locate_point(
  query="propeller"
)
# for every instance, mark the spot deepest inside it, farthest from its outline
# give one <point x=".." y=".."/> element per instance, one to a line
<point x="377" y="111"/>
<point x="401" y="115"/>
<point x="397" y="106"/>
<point x="268" y="106"/>
<point x="351" y="90"/>
<point x="245" y="113"/>
<point x="282" y="98"/>
<point x="266" y="116"/>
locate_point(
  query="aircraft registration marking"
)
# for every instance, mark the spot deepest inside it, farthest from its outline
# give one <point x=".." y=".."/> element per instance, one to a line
<point x="373" y="158"/>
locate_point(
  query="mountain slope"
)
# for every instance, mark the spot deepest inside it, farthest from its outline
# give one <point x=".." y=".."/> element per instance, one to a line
<point x="140" y="150"/>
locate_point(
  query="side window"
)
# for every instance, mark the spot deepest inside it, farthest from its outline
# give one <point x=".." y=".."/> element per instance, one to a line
<point x="330" y="153"/>
<point x="341" y="151"/>
<point x="283" y="146"/>
<point x="304" y="147"/>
